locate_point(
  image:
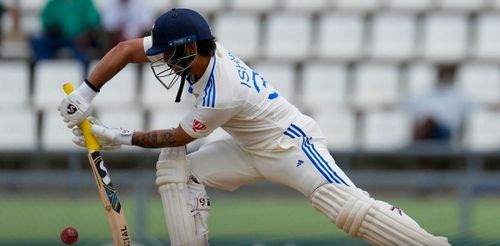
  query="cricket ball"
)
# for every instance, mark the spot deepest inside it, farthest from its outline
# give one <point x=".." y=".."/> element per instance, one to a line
<point x="69" y="235"/>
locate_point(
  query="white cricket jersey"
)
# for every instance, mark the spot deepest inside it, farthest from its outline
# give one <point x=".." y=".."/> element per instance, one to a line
<point x="233" y="96"/>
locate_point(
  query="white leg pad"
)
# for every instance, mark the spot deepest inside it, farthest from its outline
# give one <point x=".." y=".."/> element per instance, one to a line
<point x="185" y="202"/>
<point x="377" y="222"/>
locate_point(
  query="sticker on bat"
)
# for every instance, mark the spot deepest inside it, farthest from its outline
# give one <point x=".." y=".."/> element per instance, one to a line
<point x="106" y="180"/>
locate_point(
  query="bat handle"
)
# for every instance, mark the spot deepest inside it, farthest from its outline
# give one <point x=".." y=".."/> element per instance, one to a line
<point x="85" y="126"/>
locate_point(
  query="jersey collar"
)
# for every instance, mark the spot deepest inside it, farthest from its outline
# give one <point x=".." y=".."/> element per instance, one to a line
<point x="196" y="87"/>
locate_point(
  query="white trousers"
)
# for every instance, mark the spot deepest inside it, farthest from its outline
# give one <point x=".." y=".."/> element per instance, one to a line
<point x="299" y="159"/>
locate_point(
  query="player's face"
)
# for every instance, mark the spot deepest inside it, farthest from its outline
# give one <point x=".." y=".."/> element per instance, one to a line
<point x="180" y="58"/>
<point x="174" y="64"/>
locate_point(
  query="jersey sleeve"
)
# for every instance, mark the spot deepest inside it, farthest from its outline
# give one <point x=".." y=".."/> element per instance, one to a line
<point x="147" y="42"/>
<point x="203" y="121"/>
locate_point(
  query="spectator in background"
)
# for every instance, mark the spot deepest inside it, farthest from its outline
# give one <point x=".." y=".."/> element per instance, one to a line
<point x="10" y="8"/>
<point x="2" y="11"/>
<point x="126" y="19"/>
<point x="439" y="115"/>
<point x="67" y="24"/>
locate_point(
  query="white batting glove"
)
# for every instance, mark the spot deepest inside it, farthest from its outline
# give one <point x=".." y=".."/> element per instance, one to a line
<point x="76" y="106"/>
<point x="108" y="138"/>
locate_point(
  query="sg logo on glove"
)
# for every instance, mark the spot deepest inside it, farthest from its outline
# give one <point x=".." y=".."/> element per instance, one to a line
<point x="71" y="109"/>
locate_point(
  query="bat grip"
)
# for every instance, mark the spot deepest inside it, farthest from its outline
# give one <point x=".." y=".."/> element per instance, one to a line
<point x="85" y="126"/>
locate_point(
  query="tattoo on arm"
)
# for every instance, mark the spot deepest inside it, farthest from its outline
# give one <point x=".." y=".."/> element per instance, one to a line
<point x="155" y="139"/>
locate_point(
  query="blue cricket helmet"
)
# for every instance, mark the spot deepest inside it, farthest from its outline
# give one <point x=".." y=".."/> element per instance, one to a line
<point x="178" y="27"/>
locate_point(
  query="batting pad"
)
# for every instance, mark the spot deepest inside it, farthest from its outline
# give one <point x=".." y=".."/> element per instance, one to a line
<point x="377" y="222"/>
<point x="186" y="212"/>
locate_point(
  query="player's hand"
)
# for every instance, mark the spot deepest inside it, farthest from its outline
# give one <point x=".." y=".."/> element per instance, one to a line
<point x="108" y="138"/>
<point x="74" y="109"/>
<point x="76" y="106"/>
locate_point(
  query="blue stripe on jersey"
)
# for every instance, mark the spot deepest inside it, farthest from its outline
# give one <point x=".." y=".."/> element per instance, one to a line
<point x="209" y="97"/>
<point x="273" y="95"/>
<point x="314" y="160"/>
<point x="206" y="90"/>
<point x="289" y="135"/>
<point x="333" y="174"/>
<point x="319" y="166"/>
<point x="315" y="163"/>
<point x="293" y="132"/>
<point x="312" y="153"/>
<point x="213" y="92"/>
<point x="206" y="96"/>
<point x="298" y="129"/>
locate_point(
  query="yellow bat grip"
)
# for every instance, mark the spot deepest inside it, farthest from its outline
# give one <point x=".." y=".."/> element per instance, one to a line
<point x="90" y="140"/>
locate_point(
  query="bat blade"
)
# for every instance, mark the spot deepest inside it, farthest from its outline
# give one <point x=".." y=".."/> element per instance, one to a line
<point x="109" y="198"/>
<point x="111" y="202"/>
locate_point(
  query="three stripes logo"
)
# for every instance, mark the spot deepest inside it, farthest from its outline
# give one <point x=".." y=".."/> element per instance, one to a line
<point x="314" y="156"/>
<point x="106" y="181"/>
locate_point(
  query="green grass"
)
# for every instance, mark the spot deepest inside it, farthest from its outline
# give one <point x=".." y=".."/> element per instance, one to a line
<point x="234" y="220"/>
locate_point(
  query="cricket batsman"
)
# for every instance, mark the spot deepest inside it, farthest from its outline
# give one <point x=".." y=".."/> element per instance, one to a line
<point x="270" y="138"/>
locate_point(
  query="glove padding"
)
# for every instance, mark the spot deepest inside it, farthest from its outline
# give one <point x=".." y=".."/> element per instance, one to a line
<point x="107" y="138"/>
<point x="74" y="109"/>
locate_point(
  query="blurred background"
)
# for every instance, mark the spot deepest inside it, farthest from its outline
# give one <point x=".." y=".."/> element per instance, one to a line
<point x="407" y="93"/>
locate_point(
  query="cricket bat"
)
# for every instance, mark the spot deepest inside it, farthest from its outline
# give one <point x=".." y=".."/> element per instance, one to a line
<point x="109" y="198"/>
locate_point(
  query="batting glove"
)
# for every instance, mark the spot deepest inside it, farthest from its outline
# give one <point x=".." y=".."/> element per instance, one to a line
<point x="76" y="106"/>
<point x="108" y="138"/>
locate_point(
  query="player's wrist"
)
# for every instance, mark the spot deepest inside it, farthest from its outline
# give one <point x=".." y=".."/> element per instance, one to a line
<point x="87" y="91"/>
<point x="125" y="136"/>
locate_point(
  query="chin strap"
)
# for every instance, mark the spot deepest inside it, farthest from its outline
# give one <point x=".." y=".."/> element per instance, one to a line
<point x="181" y="88"/>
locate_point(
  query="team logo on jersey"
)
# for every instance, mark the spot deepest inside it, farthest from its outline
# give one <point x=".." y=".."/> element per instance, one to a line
<point x="198" y="125"/>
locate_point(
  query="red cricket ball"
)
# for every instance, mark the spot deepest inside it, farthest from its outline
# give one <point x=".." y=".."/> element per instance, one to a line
<point x="69" y="235"/>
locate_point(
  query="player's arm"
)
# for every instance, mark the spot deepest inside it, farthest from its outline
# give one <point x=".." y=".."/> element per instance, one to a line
<point x="130" y="51"/>
<point x="76" y="106"/>
<point x="198" y="124"/>
<point x="112" y="138"/>
<point x="161" y="138"/>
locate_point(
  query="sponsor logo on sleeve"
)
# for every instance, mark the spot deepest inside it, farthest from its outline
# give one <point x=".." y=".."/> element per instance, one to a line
<point x="198" y="126"/>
